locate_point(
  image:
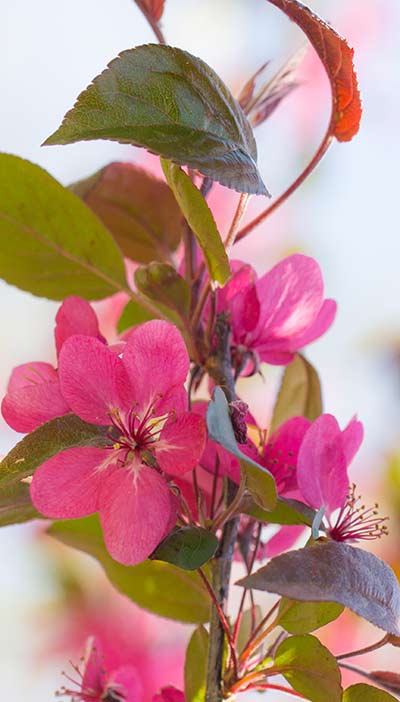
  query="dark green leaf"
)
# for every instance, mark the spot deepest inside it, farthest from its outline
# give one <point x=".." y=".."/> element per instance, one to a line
<point x="187" y="547"/>
<point x="335" y="572"/>
<point x="16" y="505"/>
<point x="158" y="587"/>
<point x="47" y="440"/>
<point x="366" y="693"/>
<point x="51" y="244"/>
<point x="133" y="314"/>
<point x="139" y="210"/>
<point x="303" y="617"/>
<point x="259" y="481"/>
<point x="174" y="105"/>
<point x="286" y="511"/>
<point x="299" y="394"/>
<point x="310" y="668"/>
<point x="196" y="666"/>
<point x="200" y="219"/>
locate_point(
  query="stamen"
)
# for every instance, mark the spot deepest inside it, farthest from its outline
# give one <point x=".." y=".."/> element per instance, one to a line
<point x="356" y="522"/>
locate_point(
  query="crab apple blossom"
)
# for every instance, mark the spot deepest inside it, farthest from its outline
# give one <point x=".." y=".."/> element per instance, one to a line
<point x="276" y="315"/>
<point x="33" y="394"/>
<point x="95" y="684"/>
<point x="152" y="438"/>
<point x="169" y="694"/>
<point x="323" y="460"/>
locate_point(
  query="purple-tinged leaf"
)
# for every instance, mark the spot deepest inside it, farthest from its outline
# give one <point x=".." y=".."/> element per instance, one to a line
<point x="154" y="8"/>
<point x="174" y="105"/>
<point x="335" y="572"/>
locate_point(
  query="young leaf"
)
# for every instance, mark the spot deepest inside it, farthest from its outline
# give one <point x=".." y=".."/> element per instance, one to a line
<point x="44" y="442"/>
<point x="250" y="619"/>
<point x="303" y="617"/>
<point x="200" y="219"/>
<point x="335" y="572"/>
<point x="196" y="666"/>
<point x="337" y="59"/>
<point x="139" y="210"/>
<point x="132" y="315"/>
<point x="387" y="679"/>
<point x="16" y="505"/>
<point x="259" y="481"/>
<point x="158" y="587"/>
<point x="299" y="394"/>
<point x="162" y="284"/>
<point x="188" y="548"/>
<point x="289" y="512"/>
<point x="174" y="105"/>
<point x="310" y="668"/>
<point x="366" y="693"/>
<point x="51" y="244"/>
<point x="154" y="8"/>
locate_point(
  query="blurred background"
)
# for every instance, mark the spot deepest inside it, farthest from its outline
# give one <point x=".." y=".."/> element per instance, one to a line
<point x="346" y="216"/>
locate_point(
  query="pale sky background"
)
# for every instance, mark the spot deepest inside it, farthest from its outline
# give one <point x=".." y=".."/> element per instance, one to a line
<point x="346" y="216"/>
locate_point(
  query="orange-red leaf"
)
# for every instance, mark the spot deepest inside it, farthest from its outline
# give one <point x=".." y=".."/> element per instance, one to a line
<point x="154" y="7"/>
<point x="337" y="58"/>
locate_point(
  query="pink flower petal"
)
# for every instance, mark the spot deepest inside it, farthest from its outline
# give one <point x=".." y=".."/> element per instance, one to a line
<point x="181" y="444"/>
<point x="135" y="511"/>
<point x="34" y="396"/>
<point x="274" y="358"/>
<point x="75" y="316"/>
<point x="93" y="379"/>
<point x="321" y="467"/>
<point x="281" y="453"/>
<point x="127" y="681"/>
<point x="67" y="485"/>
<point x="169" y="694"/>
<point x="291" y="296"/>
<point x="322" y="323"/>
<point x="352" y="437"/>
<point x="156" y="359"/>
<point x="283" y="540"/>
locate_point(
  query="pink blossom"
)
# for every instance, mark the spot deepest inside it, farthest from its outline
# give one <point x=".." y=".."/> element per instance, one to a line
<point x="34" y="395"/>
<point x="278" y="314"/>
<point x="169" y="694"/>
<point x="141" y="396"/>
<point x="96" y="684"/>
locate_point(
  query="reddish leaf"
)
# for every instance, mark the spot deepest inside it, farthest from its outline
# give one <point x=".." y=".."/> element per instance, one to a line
<point x="155" y="8"/>
<point x="337" y="58"/>
<point x="387" y="679"/>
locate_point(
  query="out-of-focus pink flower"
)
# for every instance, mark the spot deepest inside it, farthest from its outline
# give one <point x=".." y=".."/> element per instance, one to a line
<point x="96" y="684"/>
<point x="142" y="396"/>
<point x="169" y="694"/>
<point x="34" y="395"/>
<point x="278" y="314"/>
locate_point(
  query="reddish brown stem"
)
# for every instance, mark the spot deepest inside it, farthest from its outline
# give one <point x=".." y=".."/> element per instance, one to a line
<point x="152" y="22"/>
<point x="290" y="190"/>
<point x="363" y="651"/>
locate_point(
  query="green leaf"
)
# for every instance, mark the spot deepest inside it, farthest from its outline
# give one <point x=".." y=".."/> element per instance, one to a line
<point x="51" y="244"/>
<point x="16" y="505"/>
<point x="139" y="210"/>
<point x="44" y="442"/>
<point x="196" y="666"/>
<point x="172" y="104"/>
<point x="303" y="617"/>
<point x="259" y="481"/>
<point x="200" y="219"/>
<point x="250" y="619"/>
<point x="158" y="587"/>
<point x="310" y="668"/>
<point x="286" y="511"/>
<point x="187" y="547"/>
<point x="299" y="394"/>
<point x="165" y="287"/>
<point x="366" y="693"/>
<point x="132" y="315"/>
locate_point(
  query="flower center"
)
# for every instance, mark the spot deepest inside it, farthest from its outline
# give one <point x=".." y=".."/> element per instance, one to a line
<point x="355" y="521"/>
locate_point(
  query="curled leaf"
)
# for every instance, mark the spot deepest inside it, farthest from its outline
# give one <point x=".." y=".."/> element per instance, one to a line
<point x="335" y="572"/>
<point x="337" y="59"/>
